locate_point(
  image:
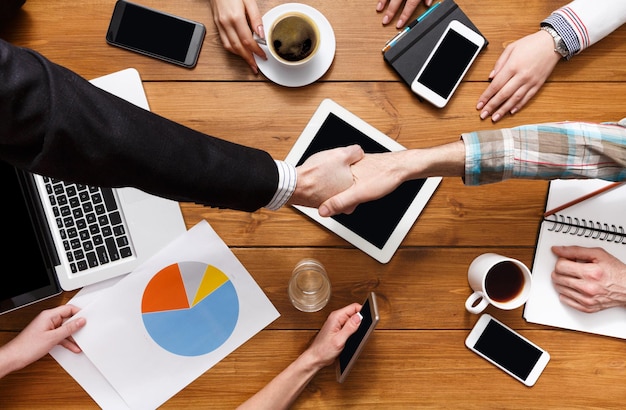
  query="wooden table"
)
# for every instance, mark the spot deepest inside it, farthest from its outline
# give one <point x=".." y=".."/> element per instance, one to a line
<point x="416" y="357"/>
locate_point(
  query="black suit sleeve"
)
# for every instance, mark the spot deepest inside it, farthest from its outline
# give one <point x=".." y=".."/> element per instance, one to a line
<point x="55" y="123"/>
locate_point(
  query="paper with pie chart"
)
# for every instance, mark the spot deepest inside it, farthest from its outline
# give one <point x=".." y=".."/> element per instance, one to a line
<point x="165" y="324"/>
<point x="182" y="295"/>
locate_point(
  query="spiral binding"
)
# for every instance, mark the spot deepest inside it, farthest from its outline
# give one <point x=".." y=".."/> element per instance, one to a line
<point x="587" y="228"/>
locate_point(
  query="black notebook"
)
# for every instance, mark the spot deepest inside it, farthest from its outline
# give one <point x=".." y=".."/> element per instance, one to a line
<point x="599" y="221"/>
<point x="409" y="54"/>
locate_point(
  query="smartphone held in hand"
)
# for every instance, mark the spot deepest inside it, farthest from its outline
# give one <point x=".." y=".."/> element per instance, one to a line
<point x="356" y="342"/>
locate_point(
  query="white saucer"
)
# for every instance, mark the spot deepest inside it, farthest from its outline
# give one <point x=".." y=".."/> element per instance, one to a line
<point x="298" y="76"/>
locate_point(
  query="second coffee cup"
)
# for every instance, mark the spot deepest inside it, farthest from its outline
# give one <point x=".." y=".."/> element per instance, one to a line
<point x="497" y="280"/>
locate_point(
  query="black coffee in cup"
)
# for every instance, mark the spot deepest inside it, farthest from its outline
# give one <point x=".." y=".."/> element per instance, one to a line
<point x="294" y="37"/>
<point x="504" y="281"/>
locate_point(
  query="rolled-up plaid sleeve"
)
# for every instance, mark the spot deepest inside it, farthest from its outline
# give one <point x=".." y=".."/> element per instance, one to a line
<point x="546" y="151"/>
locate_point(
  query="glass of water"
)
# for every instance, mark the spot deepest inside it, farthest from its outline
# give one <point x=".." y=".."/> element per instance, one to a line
<point x="309" y="287"/>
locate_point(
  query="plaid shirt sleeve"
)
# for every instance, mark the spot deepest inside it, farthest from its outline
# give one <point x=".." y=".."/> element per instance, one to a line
<point x="546" y="151"/>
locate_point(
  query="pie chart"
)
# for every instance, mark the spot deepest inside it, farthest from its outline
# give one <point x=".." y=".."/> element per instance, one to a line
<point x="190" y="308"/>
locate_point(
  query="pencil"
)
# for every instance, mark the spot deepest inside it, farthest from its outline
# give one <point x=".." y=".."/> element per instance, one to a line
<point x="582" y="198"/>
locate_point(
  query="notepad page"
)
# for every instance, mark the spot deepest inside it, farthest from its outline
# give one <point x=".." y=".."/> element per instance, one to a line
<point x="544" y="306"/>
<point x="608" y="206"/>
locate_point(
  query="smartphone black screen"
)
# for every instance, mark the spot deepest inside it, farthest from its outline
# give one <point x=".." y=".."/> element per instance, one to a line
<point x="352" y="344"/>
<point x="448" y="63"/>
<point x="151" y="32"/>
<point x="509" y="350"/>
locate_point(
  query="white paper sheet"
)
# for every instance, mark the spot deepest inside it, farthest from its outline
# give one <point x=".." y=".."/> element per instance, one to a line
<point x="135" y="359"/>
<point x="80" y="367"/>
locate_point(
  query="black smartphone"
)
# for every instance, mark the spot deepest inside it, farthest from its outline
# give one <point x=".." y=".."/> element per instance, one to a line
<point x="356" y="342"/>
<point x="155" y="33"/>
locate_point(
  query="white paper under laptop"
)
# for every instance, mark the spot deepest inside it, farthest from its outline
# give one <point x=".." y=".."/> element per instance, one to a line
<point x="150" y="222"/>
<point x="159" y="348"/>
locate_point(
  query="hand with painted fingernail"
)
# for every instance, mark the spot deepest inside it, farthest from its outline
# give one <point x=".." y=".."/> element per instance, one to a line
<point x="390" y="8"/>
<point x="234" y="19"/>
<point x="518" y="75"/>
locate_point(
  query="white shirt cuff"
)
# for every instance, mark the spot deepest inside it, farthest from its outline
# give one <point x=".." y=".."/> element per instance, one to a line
<point x="287" y="179"/>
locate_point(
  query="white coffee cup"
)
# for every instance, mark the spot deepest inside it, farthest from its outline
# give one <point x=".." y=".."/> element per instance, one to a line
<point x="497" y="280"/>
<point x="293" y="38"/>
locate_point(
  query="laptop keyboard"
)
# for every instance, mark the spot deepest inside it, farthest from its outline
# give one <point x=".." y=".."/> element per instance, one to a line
<point x="90" y="224"/>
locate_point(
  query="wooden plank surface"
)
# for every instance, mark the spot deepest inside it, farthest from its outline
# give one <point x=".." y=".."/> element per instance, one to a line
<point x="398" y="370"/>
<point x="72" y="34"/>
<point x="416" y="358"/>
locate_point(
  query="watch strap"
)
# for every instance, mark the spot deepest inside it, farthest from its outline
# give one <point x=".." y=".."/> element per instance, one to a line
<point x="559" y="45"/>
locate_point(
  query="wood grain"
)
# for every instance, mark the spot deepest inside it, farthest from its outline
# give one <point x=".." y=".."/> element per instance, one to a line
<point x="416" y="358"/>
<point x="52" y="28"/>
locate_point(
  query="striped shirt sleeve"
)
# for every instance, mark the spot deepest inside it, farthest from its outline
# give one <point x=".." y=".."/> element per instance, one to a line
<point x="582" y="23"/>
<point x="546" y="151"/>
<point x="287" y="180"/>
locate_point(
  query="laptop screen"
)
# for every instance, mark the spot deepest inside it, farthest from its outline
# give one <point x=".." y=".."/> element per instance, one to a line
<point x="33" y="279"/>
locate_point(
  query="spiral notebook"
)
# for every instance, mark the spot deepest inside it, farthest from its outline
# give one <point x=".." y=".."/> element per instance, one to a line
<point x="599" y="221"/>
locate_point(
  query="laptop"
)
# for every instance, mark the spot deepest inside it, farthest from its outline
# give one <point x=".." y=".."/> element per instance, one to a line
<point x="76" y="235"/>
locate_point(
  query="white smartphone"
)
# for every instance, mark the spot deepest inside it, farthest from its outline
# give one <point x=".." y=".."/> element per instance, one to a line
<point x="507" y="349"/>
<point x="447" y="64"/>
<point x="155" y="33"/>
<point x="356" y="341"/>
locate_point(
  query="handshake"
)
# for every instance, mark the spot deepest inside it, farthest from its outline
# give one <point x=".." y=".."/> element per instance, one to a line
<point x="326" y="181"/>
<point x="338" y="180"/>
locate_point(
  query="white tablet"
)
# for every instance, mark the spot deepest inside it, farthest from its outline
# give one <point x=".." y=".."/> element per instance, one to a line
<point x="377" y="227"/>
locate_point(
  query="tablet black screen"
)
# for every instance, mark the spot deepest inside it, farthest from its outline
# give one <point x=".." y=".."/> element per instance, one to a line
<point x="373" y="221"/>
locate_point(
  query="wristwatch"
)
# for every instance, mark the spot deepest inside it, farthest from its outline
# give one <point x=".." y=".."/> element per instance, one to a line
<point x="559" y="44"/>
